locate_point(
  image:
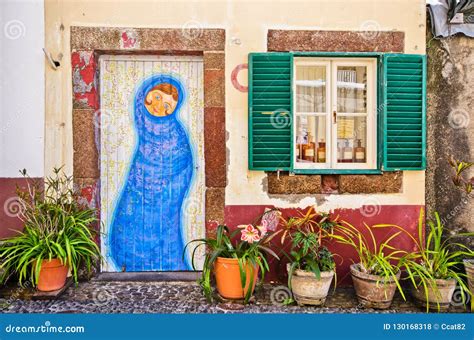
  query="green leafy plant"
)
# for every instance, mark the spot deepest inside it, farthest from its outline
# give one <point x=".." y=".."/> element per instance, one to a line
<point x="375" y="258"/>
<point x="55" y="227"/>
<point x="250" y="248"/>
<point x="437" y="257"/>
<point x="459" y="179"/>
<point x="306" y="232"/>
<point x="308" y="255"/>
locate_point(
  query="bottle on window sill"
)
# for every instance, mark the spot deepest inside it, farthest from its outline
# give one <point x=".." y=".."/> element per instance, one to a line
<point x="340" y="150"/>
<point x="299" y="152"/>
<point x="322" y="151"/>
<point x="359" y="152"/>
<point x="309" y="150"/>
<point x="347" y="153"/>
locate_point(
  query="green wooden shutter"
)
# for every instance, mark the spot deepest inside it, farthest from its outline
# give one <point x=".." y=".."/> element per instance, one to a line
<point x="404" y="112"/>
<point x="270" y="111"/>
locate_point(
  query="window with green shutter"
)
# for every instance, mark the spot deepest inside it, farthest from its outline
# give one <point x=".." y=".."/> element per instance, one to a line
<point x="270" y="119"/>
<point x="404" y="119"/>
<point x="336" y="112"/>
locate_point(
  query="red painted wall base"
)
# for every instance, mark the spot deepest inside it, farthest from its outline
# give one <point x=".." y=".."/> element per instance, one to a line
<point x="405" y="216"/>
<point x="9" y="206"/>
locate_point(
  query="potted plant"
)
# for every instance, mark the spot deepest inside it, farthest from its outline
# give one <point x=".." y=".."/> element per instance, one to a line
<point x="376" y="276"/>
<point x="236" y="259"/>
<point x="57" y="236"/>
<point x="311" y="268"/>
<point x="433" y="268"/>
<point x="469" y="267"/>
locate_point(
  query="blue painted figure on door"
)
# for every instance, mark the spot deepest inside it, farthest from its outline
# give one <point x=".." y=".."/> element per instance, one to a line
<point x="146" y="231"/>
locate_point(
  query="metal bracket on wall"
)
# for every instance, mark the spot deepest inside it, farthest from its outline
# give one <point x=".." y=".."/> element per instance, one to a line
<point x="49" y="57"/>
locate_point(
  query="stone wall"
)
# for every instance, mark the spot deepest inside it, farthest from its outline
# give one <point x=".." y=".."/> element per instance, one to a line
<point x="450" y="127"/>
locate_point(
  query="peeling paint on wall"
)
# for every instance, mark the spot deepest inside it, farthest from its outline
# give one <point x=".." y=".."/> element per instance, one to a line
<point x="89" y="196"/>
<point x="129" y="39"/>
<point x="83" y="78"/>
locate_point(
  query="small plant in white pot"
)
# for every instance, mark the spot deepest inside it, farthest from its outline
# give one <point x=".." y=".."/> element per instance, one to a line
<point x="311" y="268"/>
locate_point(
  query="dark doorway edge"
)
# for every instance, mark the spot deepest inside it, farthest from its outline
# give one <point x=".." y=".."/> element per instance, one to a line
<point x="148" y="276"/>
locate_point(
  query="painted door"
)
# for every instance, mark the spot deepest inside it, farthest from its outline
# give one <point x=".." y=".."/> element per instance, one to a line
<point x="151" y="161"/>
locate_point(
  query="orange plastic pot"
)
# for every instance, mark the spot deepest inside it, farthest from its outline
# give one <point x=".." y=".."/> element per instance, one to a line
<point x="52" y="275"/>
<point x="228" y="281"/>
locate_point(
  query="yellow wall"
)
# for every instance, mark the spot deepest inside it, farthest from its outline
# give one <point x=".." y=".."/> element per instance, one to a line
<point x="246" y="22"/>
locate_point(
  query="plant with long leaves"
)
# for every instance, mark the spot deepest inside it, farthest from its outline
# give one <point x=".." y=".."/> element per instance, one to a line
<point x="375" y="258"/>
<point x="437" y="257"/>
<point x="56" y="226"/>
<point x="249" y="249"/>
<point x="459" y="179"/>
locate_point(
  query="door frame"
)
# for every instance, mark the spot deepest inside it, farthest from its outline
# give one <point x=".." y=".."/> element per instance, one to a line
<point x="88" y="44"/>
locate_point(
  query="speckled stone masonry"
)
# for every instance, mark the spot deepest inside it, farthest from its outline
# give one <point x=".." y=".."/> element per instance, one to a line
<point x="215" y="204"/>
<point x="86" y="155"/>
<point x="335" y="41"/>
<point x="148" y="39"/>
<point x="386" y="183"/>
<point x="297" y="184"/>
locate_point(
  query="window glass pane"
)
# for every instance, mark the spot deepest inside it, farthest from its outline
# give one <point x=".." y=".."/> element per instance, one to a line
<point x="311" y="89"/>
<point x="351" y="139"/>
<point x="311" y="139"/>
<point x="351" y="89"/>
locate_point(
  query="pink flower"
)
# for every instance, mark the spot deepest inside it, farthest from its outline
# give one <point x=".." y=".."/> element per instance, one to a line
<point x="249" y="233"/>
<point x="270" y="219"/>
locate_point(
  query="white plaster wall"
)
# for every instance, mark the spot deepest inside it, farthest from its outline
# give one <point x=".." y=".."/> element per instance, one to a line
<point x="246" y="23"/>
<point x="22" y="103"/>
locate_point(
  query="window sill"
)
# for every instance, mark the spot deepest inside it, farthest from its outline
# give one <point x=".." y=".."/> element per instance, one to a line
<point x="313" y="184"/>
<point x="337" y="171"/>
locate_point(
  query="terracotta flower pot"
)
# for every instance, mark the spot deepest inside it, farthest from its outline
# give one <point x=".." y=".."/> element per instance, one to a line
<point x="52" y="275"/>
<point x="228" y="281"/>
<point x="309" y="290"/>
<point x="372" y="291"/>
<point x="440" y="293"/>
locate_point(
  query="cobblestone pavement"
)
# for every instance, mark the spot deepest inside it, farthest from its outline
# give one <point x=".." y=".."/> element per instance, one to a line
<point x="180" y="297"/>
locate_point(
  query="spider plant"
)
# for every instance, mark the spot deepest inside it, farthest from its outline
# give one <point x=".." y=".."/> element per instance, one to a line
<point x="55" y="227"/>
<point x="437" y="258"/>
<point x="379" y="259"/>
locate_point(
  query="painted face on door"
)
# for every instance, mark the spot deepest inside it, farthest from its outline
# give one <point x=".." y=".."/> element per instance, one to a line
<point x="161" y="100"/>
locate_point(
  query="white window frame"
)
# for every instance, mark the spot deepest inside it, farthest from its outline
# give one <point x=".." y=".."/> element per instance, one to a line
<point x="331" y="106"/>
